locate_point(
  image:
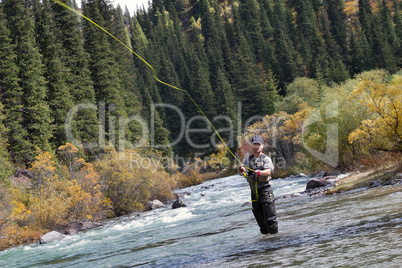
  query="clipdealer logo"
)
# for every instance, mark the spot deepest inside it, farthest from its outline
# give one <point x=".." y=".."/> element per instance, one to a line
<point x="330" y="156"/>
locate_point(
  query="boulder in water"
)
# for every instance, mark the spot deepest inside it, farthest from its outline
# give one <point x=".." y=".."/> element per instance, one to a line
<point x="316" y="183"/>
<point x="154" y="204"/>
<point x="50" y="237"/>
<point x="178" y="203"/>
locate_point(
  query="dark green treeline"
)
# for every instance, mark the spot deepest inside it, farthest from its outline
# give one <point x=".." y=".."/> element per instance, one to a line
<point x="231" y="56"/>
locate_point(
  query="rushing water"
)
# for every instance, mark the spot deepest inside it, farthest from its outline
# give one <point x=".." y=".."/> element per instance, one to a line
<point x="361" y="228"/>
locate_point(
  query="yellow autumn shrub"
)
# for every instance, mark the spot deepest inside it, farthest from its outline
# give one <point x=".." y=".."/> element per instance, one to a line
<point x="383" y="131"/>
<point x="59" y="199"/>
<point x="126" y="183"/>
<point x="43" y="167"/>
<point x="191" y="174"/>
<point x="69" y="157"/>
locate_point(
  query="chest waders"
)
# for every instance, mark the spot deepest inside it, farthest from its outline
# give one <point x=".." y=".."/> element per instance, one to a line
<point x="263" y="201"/>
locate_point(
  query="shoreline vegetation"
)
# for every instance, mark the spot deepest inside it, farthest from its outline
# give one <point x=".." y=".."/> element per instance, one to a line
<point x="369" y="177"/>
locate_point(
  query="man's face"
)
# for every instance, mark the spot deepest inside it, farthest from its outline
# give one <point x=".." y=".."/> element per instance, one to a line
<point x="257" y="147"/>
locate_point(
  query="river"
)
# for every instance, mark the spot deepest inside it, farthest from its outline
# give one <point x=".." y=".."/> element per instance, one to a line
<point x="360" y="228"/>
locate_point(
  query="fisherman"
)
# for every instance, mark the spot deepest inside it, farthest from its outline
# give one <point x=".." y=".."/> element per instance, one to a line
<point x="259" y="167"/>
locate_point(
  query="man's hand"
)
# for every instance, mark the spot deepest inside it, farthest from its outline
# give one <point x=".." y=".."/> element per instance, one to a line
<point x="242" y="169"/>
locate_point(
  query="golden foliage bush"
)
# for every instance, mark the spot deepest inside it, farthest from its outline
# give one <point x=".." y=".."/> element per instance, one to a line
<point x="5" y="209"/>
<point x="383" y="131"/>
<point x="58" y="200"/>
<point x="43" y="167"/>
<point x="127" y="183"/>
<point x="191" y="174"/>
<point x="69" y="157"/>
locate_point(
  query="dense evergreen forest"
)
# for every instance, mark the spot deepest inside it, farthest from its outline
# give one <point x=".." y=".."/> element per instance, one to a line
<point x="222" y="52"/>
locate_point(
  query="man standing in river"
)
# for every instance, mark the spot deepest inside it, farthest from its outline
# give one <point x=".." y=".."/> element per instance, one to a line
<point x="259" y="168"/>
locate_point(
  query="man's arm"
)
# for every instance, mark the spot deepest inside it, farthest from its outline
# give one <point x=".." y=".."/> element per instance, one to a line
<point x="268" y="167"/>
<point x="265" y="172"/>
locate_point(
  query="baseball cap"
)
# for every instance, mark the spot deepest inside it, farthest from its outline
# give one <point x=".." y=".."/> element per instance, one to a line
<point x="257" y="139"/>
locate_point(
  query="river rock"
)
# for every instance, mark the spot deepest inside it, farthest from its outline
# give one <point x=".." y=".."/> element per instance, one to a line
<point x="51" y="236"/>
<point x="70" y="231"/>
<point x="374" y="184"/>
<point x="316" y="183"/>
<point x="154" y="204"/>
<point x="246" y="204"/>
<point x="320" y="174"/>
<point x="78" y="226"/>
<point x="178" y="203"/>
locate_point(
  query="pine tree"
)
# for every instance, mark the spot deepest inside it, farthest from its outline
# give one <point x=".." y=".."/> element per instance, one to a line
<point x="68" y="32"/>
<point x="147" y="87"/>
<point x="225" y="102"/>
<point x="367" y="22"/>
<point x="356" y="57"/>
<point x="307" y="24"/>
<point x="337" y="69"/>
<point x="270" y="93"/>
<point x="202" y="94"/>
<point x="59" y="97"/>
<point x="397" y="19"/>
<point x="288" y="58"/>
<point x="360" y="52"/>
<point x="337" y="19"/>
<point x="384" y="52"/>
<point x="125" y="69"/>
<point x="390" y="35"/>
<point x="5" y="165"/>
<point x="140" y="45"/>
<point x="366" y="19"/>
<point x="246" y="81"/>
<point x="37" y="115"/>
<point x="13" y="134"/>
<point x="167" y="73"/>
<point x="104" y="71"/>
<point x="287" y="55"/>
<point x="267" y="8"/>
<point x="209" y="27"/>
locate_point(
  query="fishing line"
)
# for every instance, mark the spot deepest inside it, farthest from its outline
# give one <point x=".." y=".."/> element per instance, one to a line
<point x="153" y="71"/>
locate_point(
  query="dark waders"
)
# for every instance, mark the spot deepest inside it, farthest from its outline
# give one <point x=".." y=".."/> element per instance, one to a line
<point x="264" y="209"/>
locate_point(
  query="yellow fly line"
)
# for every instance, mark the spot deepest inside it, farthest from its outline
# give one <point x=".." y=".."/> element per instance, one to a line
<point x="152" y="68"/>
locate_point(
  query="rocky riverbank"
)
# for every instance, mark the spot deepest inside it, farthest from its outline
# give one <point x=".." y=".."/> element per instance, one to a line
<point x="327" y="184"/>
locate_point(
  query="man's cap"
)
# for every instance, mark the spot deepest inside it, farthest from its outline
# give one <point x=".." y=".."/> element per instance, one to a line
<point x="257" y="139"/>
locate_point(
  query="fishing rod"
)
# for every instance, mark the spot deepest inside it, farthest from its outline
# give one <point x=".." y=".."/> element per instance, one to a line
<point x="154" y="75"/>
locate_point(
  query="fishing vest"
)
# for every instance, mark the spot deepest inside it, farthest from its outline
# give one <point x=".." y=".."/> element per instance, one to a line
<point x="261" y="163"/>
